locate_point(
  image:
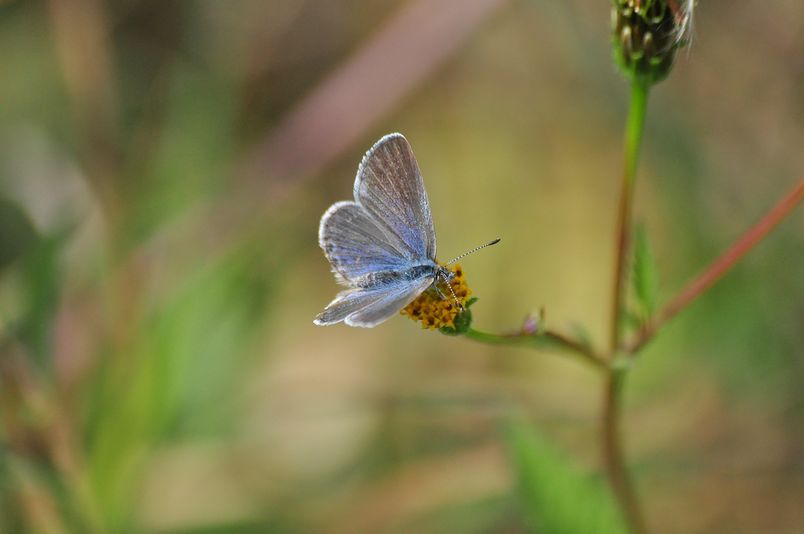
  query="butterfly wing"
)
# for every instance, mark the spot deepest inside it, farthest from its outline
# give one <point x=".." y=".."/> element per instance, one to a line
<point x="388" y="228"/>
<point x="355" y="245"/>
<point x="389" y="186"/>
<point x="346" y="303"/>
<point x="369" y="307"/>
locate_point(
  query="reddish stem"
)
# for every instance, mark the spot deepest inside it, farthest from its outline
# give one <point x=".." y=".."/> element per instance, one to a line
<point x="721" y="265"/>
<point x="613" y="453"/>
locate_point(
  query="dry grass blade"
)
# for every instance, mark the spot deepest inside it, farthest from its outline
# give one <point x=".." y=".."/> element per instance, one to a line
<point x="398" y="58"/>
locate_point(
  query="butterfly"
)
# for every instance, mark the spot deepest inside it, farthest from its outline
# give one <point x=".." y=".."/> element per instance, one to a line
<point x="382" y="245"/>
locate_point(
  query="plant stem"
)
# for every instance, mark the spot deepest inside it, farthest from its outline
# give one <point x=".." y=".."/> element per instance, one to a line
<point x="541" y="340"/>
<point x="721" y="265"/>
<point x="613" y="455"/>
<point x="610" y="418"/>
<point x="633" y="140"/>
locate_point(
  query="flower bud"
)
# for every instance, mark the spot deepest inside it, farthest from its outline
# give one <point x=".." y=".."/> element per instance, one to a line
<point x="647" y="34"/>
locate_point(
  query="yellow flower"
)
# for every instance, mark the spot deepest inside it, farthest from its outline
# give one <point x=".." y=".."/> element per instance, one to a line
<point x="433" y="311"/>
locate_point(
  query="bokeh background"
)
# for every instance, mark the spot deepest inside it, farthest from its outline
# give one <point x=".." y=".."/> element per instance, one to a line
<point x="163" y="167"/>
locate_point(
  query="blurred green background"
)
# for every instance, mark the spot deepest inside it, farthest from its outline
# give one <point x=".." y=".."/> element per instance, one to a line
<point x="163" y="168"/>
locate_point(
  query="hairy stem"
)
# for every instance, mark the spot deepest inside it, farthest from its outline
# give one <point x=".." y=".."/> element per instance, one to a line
<point x="721" y="265"/>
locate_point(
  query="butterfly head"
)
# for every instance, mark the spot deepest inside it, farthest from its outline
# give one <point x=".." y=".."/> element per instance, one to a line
<point x="445" y="302"/>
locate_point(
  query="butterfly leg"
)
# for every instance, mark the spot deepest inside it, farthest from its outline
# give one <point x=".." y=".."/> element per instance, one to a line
<point x="446" y="277"/>
<point x="438" y="289"/>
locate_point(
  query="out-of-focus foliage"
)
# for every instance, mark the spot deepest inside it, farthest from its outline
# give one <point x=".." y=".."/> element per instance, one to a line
<point x="163" y="167"/>
<point x="18" y="232"/>
<point x="556" y="498"/>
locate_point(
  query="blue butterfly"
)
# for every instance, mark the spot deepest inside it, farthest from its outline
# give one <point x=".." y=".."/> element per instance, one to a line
<point x="382" y="245"/>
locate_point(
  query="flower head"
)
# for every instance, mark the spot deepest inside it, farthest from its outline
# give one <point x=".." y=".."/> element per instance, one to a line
<point x="435" y="311"/>
<point x="647" y="34"/>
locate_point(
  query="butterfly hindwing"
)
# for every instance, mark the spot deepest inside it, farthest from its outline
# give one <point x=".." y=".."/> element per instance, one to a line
<point x="346" y="303"/>
<point x="370" y="307"/>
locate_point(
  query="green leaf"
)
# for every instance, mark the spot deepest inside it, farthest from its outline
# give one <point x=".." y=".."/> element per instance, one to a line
<point x="42" y="279"/>
<point x="189" y="154"/>
<point x="462" y="322"/>
<point x="555" y="496"/>
<point x="178" y="377"/>
<point x="646" y="274"/>
<point x="17" y="233"/>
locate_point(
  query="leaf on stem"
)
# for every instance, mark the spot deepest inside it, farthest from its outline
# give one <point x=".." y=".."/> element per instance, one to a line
<point x="646" y="274"/>
<point x="556" y="497"/>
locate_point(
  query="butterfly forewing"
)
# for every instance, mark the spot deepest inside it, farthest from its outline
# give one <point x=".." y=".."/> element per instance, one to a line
<point x="355" y="245"/>
<point x="389" y="186"/>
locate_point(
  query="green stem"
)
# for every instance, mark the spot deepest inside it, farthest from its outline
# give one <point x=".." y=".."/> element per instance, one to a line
<point x="633" y="140"/>
<point x="611" y="441"/>
<point x="541" y="340"/>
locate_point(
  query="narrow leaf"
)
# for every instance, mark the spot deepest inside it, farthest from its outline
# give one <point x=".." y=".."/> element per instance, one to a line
<point x="17" y="233"/>
<point x="555" y="496"/>
<point x="646" y="273"/>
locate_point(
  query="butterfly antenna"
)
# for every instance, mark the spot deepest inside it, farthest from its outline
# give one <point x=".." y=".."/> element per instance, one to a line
<point x="453" y="260"/>
<point x="454" y="296"/>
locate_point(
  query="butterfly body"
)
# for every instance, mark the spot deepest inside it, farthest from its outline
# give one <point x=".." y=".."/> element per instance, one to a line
<point x="386" y="278"/>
